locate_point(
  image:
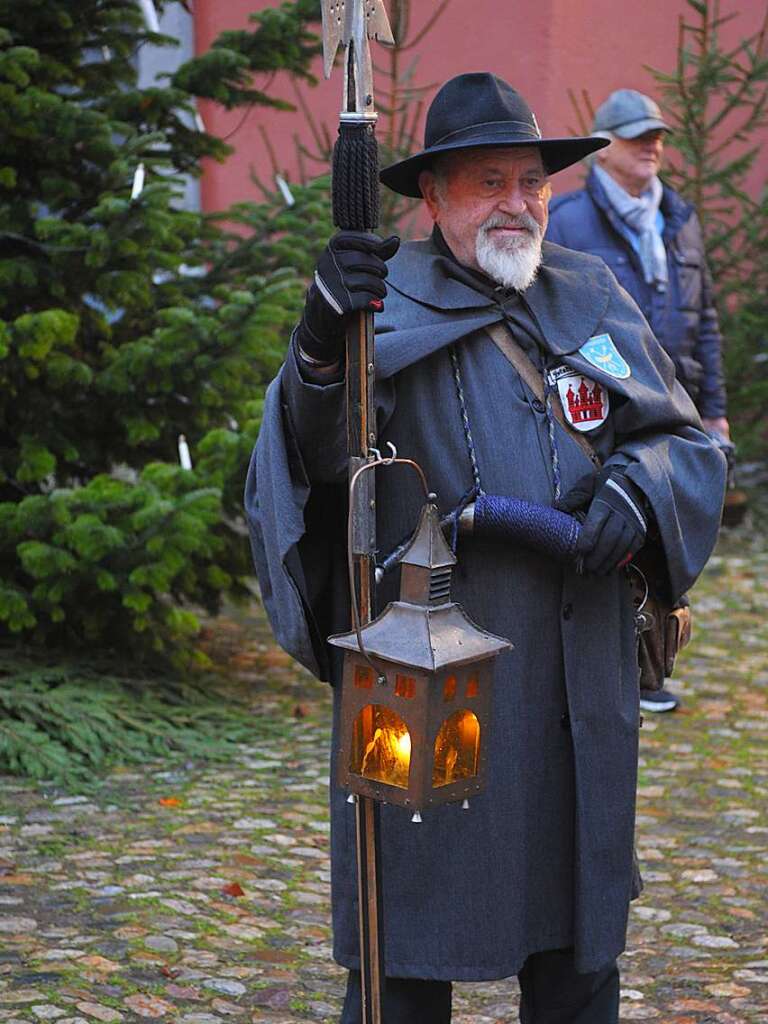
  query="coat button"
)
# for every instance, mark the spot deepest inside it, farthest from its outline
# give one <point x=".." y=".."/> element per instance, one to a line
<point x="538" y="405"/>
<point x="567" y="611"/>
<point x="565" y="721"/>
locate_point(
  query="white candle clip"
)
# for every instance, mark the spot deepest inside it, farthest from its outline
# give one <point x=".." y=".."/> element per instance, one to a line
<point x="185" y="459"/>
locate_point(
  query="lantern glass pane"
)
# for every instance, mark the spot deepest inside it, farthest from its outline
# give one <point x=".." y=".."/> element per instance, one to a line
<point x="363" y="677"/>
<point x="449" y="689"/>
<point x="457" y="748"/>
<point x="381" y="746"/>
<point x="405" y="686"/>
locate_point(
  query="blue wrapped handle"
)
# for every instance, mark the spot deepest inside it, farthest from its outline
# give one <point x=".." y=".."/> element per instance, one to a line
<point x="545" y="529"/>
<point x="493" y="517"/>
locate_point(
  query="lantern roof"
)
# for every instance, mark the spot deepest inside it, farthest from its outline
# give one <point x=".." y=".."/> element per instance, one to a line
<point x="423" y="637"/>
<point x="428" y="547"/>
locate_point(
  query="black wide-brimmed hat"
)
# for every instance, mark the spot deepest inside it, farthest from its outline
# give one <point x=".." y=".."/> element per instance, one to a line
<point x="479" y="110"/>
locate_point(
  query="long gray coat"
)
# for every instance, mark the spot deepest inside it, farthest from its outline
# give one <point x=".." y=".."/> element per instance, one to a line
<point x="543" y="859"/>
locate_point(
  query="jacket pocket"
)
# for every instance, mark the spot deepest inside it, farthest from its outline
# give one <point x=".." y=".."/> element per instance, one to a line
<point x="689" y="270"/>
<point x="689" y="373"/>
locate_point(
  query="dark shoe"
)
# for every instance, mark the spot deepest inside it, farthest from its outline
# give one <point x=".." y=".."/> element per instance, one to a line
<point x="658" y="700"/>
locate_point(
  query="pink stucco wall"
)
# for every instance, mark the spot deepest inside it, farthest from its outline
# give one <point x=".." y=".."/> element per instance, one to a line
<point x="542" y="47"/>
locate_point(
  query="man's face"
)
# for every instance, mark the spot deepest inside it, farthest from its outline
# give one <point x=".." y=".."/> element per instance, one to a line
<point x="491" y="206"/>
<point x="633" y="163"/>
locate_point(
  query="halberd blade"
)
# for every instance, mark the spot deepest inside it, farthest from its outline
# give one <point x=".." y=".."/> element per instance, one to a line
<point x="333" y="29"/>
<point x="377" y="22"/>
<point x="338" y="26"/>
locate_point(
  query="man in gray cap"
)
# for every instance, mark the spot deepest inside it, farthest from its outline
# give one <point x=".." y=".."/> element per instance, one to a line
<point x="535" y="878"/>
<point x="651" y="239"/>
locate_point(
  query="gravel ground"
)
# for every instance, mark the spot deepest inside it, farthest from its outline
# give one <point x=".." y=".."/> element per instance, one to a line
<point x="201" y="895"/>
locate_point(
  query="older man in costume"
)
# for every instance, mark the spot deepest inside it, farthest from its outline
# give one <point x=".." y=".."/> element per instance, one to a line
<point x="535" y="879"/>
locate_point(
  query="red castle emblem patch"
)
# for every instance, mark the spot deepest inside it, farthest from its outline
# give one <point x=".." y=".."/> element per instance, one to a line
<point x="585" y="402"/>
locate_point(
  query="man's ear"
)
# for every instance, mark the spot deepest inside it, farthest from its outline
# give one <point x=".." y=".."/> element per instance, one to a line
<point x="428" y="186"/>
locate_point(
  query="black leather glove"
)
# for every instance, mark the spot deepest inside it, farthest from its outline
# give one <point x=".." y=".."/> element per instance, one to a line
<point x="616" y="521"/>
<point x="349" y="277"/>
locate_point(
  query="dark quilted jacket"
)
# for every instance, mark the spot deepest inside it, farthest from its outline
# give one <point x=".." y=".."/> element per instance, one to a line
<point x="683" y="318"/>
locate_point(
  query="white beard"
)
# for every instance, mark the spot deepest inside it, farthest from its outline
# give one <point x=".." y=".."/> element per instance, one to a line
<point x="512" y="262"/>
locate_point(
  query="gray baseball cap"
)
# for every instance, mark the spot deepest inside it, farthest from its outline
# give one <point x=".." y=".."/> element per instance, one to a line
<point x="628" y="113"/>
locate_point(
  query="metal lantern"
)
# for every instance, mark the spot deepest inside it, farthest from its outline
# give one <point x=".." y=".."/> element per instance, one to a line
<point x="416" y="699"/>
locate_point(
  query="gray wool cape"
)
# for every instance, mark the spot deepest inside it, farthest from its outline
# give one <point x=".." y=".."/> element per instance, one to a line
<point x="543" y="859"/>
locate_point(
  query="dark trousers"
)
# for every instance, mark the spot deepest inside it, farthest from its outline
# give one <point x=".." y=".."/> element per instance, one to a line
<point x="551" y="992"/>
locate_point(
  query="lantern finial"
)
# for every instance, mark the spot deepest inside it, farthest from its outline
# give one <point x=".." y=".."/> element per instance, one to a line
<point x="427" y="563"/>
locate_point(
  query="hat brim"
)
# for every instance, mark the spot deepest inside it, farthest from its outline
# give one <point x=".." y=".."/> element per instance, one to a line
<point x="636" y="128"/>
<point x="556" y="154"/>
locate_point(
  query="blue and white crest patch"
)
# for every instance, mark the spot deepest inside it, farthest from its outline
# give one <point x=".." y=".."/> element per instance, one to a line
<point x="601" y="352"/>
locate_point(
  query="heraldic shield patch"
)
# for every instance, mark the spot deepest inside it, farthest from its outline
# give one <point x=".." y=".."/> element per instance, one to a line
<point x="603" y="354"/>
<point x="585" y="402"/>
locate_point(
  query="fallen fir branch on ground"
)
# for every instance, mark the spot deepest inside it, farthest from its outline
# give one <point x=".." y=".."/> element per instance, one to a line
<point x="67" y="723"/>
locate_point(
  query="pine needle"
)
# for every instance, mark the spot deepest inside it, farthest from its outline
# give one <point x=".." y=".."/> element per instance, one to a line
<point x="69" y="723"/>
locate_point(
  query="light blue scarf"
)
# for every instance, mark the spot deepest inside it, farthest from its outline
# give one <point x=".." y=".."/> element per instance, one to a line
<point x="640" y="214"/>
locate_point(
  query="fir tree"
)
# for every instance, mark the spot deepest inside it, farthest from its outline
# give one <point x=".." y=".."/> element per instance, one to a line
<point x="716" y="99"/>
<point x="110" y="345"/>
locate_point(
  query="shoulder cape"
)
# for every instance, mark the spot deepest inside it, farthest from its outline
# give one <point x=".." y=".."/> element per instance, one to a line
<point x="574" y="299"/>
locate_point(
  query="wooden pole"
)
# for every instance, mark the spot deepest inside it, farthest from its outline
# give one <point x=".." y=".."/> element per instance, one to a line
<point x="361" y="437"/>
<point x="355" y="194"/>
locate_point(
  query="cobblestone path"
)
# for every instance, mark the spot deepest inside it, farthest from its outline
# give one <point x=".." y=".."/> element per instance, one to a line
<point x="202" y="896"/>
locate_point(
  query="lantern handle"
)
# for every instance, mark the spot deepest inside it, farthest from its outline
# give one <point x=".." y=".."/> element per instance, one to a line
<point x="375" y="459"/>
<point x="389" y="460"/>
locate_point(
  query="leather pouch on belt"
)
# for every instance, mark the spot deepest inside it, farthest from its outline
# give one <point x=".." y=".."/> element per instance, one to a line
<point x="677" y="635"/>
<point x="667" y="632"/>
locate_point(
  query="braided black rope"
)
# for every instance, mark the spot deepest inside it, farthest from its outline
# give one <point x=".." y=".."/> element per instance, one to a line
<point x="465" y="419"/>
<point x="549" y="393"/>
<point x="355" y="178"/>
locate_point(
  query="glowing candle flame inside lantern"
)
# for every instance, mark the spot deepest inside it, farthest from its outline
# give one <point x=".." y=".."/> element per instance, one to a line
<point x="404" y="748"/>
<point x="383" y="746"/>
<point x="456" y="749"/>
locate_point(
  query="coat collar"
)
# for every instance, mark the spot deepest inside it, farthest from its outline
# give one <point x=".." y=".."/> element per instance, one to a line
<point x="568" y="300"/>
<point x="674" y="208"/>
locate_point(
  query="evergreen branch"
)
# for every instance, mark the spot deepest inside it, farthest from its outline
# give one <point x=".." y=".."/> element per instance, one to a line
<point x="60" y="723"/>
<point x="270" y="150"/>
<point x="308" y="115"/>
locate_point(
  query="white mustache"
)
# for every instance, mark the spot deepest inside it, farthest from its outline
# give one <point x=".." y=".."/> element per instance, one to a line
<point x="499" y="220"/>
